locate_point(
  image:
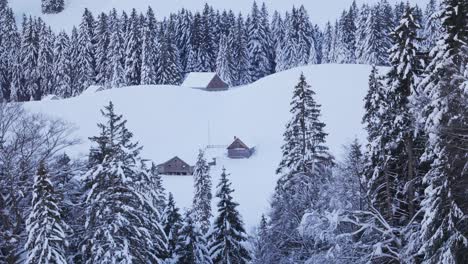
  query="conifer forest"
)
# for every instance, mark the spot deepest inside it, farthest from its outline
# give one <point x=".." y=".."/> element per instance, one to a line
<point x="216" y="135"/>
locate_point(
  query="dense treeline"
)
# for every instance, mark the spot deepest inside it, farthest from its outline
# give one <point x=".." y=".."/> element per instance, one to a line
<point x="118" y="49"/>
<point x="403" y="199"/>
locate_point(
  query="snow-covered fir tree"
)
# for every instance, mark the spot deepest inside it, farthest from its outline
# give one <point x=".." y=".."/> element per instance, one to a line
<point x="86" y="57"/>
<point x="238" y="38"/>
<point x="52" y="6"/>
<point x="45" y="227"/>
<point x="133" y="51"/>
<point x="149" y="50"/>
<point x="257" y="45"/>
<point x="224" y="62"/>
<point x="444" y="232"/>
<point x="199" y="58"/>
<point x="183" y="37"/>
<point x="191" y="244"/>
<point x="116" y="52"/>
<point x="201" y="207"/>
<point x="168" y="70"/>
<point x="305" y="168"/>
<point x="61" y="68"/>
<point x="44" y="62"/>
<point x="172" y="223"/>
<point x="122" y="226"/>
<point x="9" y="43"/>
<point x="228" y="234"/>
<point x="102" y="49"/>
<point x="431" y="26"/>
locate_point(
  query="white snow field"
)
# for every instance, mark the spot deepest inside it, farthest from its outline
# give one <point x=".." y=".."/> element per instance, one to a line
<point x="319" y="11"/>
<point x="173" y="120"/>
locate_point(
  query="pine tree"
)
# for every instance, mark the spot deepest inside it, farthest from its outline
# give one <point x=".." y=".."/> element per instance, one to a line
<point x="444" y="233"/>
<point x="228" y="234"/>
<point x="86" y="57"/>
<point x="191" y="245"/>
<point x="149" y="50"/>
<point x="224" y="62"/>
<point x="133" y="51"/>
<point x="52" y="6"/>
<point x="305" y="169"/>
<point x="102" y="49"/>
<point x="202" y="200"/>
<point x="75" y="68"/>
<point x="257" y="45"/>
<point x="431" y="26"/>
<point x="9" y="51"/>
<point x="122" y="225"/>
<point x="172" y="223"/>
<point x="304" y="130"/>
<point x="116" y="53"/>
<point x="183" y="37"/>
<point x="327" y="43"/>
<point x="199" y="58"/>
<point x="45" y="63"/>
<point x="45" y="226"/>
<point x="28" y="81"/>
<point x="238" y="38"/>
<point x="168" y="69"/>
<point x="400" y="146"/>
<point x="62" y="66"/>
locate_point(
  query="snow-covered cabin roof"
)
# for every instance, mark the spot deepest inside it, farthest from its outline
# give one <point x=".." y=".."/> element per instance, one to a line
<point x="93" y="89"/>
<point x="199" y="79"/>
<point x="237" y="144"/>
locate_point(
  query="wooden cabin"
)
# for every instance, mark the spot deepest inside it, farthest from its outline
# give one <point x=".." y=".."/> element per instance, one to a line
<point x="208" y="81"/>
<point x="239" y="150"/>
<point x="175" y="166"/>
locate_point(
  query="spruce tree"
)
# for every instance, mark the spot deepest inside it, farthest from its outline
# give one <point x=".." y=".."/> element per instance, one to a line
<point x="224" y="63"/>
<point x="121" y="223"/>
<point x="399" y="143"/>
<point x="62" y="67"/>
<point x="149" y="49"/>
<point x="172" y="223"/>
<point x="228" y="235"/>
<point x="444" y="233"/>
<point x="102" y="49"/>
<point x="183" y="37"/>
<point x="133" y="51"/>
<point x="202" y="198"/>
<point x="257" y="45"/>
<point x="45" y="227"/>
<point x="191" y="245"/>
<point x="116" y="53"/>
<point x="9" y="50"/>
<point x="45" y="63"/>
<point x="305" y="169"/>
<point x="238" y="38"/>
<point x="168" y="70"/>
<point x="86" y="57"/>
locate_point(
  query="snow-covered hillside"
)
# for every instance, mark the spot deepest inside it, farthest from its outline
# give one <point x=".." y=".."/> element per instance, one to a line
<point x="172" y="120"/>
<point x="319" y="11"/>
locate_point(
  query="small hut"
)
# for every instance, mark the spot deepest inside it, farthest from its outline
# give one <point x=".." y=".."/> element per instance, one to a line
<point x="175" y="166"/>
<point x="239" y="150"/>
<point x="208" y="81"/>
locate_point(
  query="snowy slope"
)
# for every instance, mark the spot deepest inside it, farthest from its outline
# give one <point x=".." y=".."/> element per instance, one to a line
<point x="319" y="11"/>
<point x="171" y="120"/>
